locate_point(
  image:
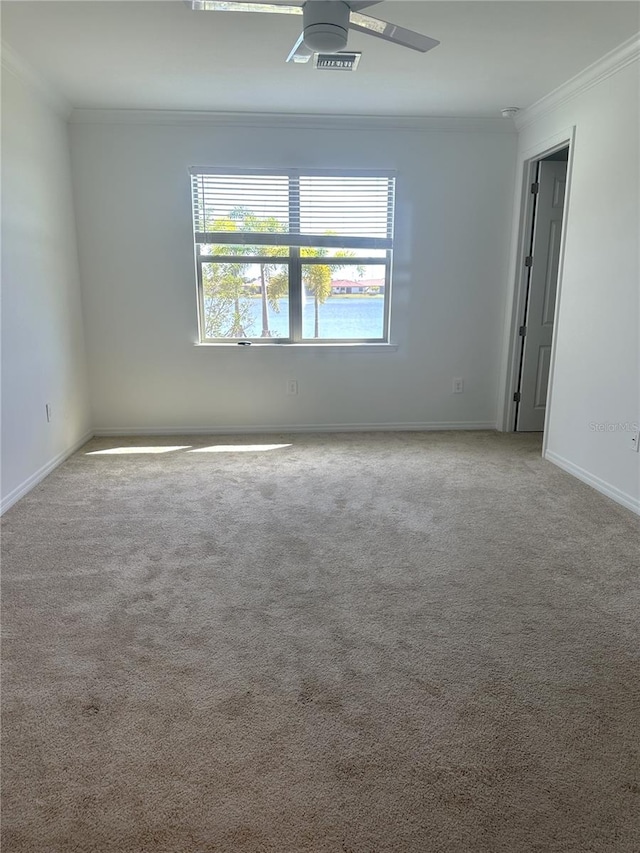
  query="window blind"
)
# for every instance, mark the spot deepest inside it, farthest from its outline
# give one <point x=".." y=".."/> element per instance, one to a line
<point x="293" y="208"/>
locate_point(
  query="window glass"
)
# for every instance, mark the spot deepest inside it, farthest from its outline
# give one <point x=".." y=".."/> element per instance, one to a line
<point x="245" y="300"/>
<point x="343" y="301"/>
<point x="293" y="257"/>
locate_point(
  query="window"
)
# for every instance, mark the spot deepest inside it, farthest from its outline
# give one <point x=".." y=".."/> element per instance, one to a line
<point x="293" y="256"/>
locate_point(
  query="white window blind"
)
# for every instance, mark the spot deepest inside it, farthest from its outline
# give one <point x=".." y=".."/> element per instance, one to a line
<point x="293" y="208"/>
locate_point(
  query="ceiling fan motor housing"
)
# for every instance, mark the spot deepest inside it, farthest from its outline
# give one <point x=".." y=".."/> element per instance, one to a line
<point x="325" y="24"/>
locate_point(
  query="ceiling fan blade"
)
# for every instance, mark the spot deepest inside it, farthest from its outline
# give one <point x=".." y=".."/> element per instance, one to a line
<point x="356" y="5"/>
<point x="391" y="32"/>
<point x="300" y="52"/>
<point x="282" y="7"/>
<point x="279" y="7"/>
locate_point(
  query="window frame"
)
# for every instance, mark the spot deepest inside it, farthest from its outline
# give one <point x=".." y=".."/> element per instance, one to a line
<point x="293" y="261"/>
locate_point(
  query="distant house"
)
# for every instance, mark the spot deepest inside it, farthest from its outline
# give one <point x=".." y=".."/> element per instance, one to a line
<point x="369" y="286"/>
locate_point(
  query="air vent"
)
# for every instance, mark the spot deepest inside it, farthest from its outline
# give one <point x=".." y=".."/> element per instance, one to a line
<point x="342" y="61"/>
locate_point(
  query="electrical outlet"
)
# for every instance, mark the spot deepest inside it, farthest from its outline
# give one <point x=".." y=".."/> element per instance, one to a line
<point x="635" y="440"/>
<point x="458" y="386"/>
<point x="292" y="387"/>
<point x="47" y="409"/>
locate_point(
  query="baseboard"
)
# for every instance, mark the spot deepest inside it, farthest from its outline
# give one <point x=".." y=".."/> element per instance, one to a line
<point x="21" y="490"/>
<point x="595" y="482"/>
<point x="286" y="428"/>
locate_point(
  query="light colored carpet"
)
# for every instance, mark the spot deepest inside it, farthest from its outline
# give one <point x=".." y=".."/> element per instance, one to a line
<point x="380" y="643"/>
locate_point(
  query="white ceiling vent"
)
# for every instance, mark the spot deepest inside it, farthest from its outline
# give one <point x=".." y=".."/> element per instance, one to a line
<point x="342" y="61"/>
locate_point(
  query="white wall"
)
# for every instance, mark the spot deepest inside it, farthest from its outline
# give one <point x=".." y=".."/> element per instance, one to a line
<point x="596" y="380"/>
<point x="43" y="358"/>
<point x="132" y="198"/>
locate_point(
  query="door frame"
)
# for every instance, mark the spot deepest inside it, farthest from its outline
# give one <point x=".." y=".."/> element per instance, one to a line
<point x="517" y="294"/>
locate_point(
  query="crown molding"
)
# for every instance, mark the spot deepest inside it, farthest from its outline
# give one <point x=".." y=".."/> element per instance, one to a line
<point x="14" y="64"/>
<point x="606" y="66"/>
<point x="443" y="124"/>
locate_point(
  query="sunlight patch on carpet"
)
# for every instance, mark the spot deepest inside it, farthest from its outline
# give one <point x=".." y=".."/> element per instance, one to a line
<point x="238" y="448"/>
<point x="113" y="451"/>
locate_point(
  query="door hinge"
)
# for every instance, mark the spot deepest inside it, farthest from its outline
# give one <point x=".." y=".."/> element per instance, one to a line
<point x="528" y="262"/>
<point x="516" y="397"/>
<point x="522" y="331"/>
<point x="535" y="188"/>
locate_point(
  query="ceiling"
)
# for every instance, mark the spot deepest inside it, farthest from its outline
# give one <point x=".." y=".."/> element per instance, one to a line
<point x="161" y="55"/>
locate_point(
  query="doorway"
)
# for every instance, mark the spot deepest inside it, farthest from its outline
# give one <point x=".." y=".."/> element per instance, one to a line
<point x="542" y="263"/>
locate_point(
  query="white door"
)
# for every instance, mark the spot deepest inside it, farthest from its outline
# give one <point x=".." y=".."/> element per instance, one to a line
<point x="541" y="301"/>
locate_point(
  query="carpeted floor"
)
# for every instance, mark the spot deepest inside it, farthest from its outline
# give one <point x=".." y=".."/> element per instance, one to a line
<point x="381" y="643"/>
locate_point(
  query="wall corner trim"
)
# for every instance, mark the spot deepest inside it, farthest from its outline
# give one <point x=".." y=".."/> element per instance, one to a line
<point x="20" y="68"/>
<point x="39" y="475"/>
<point x="606" y="66"/>
<point x="596" y="483"/>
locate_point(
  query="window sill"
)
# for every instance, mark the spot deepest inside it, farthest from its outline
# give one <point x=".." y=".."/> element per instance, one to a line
<point x="315" y="347"/>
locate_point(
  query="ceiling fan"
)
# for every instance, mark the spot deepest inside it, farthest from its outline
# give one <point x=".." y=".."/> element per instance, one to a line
<point x="325" y="23"/>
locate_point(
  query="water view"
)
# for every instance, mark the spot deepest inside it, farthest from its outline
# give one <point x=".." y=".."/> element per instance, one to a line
<point x="340" y="317"/>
